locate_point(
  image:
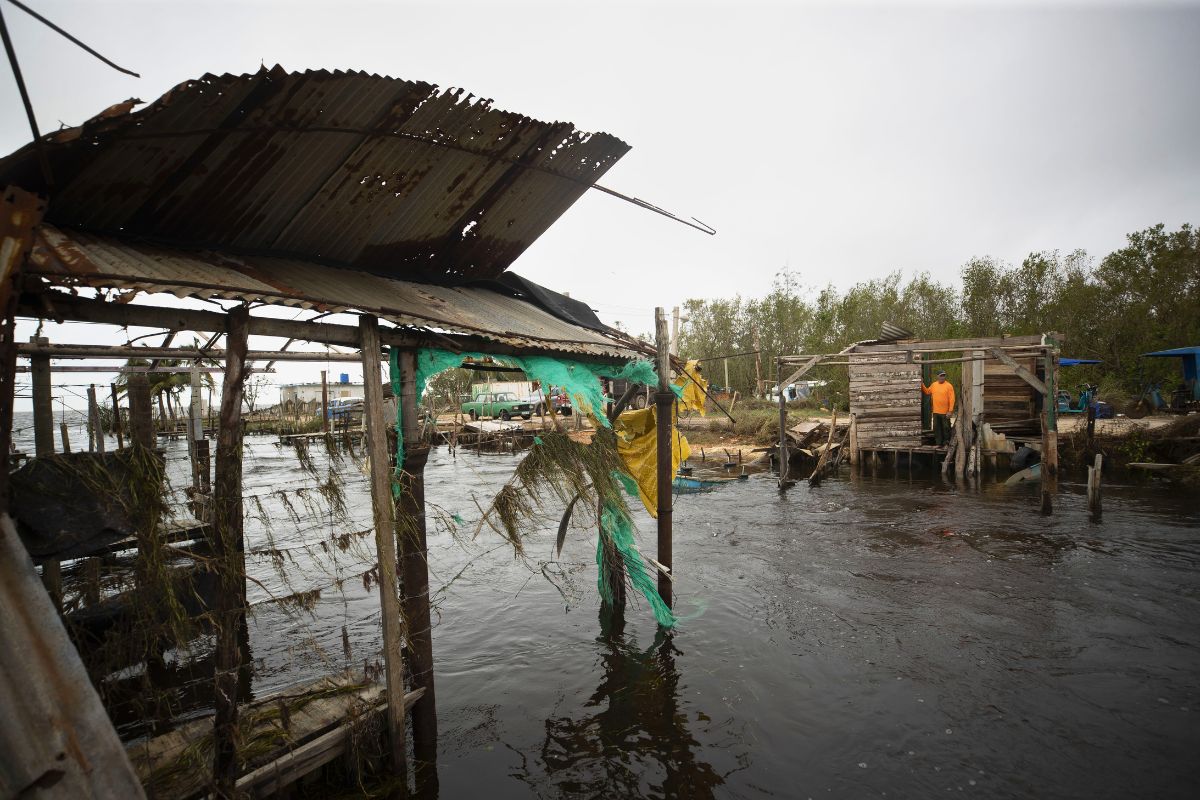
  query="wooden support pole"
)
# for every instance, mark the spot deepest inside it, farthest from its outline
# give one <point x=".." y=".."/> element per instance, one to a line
<point x="230" y="559"/>
<point x="414" y="571"/>
<point x="1095" y="512"/>
<point x="385" y="541"/>
<point x="43" y="409"/>
<point x="65" y="436"/>
<point x="94" y="420"/>
<point x="664" y="401"/>
<point x="325" y="401"/>
<point x="1049" y="443"/>
<point x="117" y="417"/>
<point x="141" y="416"/>
<point x="783" y="452"/>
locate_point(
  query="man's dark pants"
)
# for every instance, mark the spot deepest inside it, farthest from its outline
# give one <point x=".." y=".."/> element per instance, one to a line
<point x="941" y="429"/>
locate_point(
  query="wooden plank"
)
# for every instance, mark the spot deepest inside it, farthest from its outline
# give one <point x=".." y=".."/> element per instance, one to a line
<point x="812" y="362"/>
<point x="290" y="767"/>
<point x="385" y="540"/>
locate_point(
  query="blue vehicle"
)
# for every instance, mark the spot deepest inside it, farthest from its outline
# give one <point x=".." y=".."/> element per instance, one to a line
<point x="1066" y="404"/>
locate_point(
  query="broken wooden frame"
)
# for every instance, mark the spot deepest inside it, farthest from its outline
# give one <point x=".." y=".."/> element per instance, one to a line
<point x="407" y="643"/>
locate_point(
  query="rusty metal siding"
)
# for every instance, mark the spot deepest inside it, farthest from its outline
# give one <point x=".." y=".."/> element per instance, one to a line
<point x="394" y="177"/>
<point x="69" y="258"/>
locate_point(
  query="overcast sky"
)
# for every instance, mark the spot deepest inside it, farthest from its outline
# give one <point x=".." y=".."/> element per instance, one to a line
<point x="845" y="140"/>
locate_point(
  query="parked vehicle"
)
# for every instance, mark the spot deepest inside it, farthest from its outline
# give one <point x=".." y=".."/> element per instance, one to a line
<point x="562" y="402"/>
<point x="643" y="398"/>
<point x="1087" y="399"/>
<point x="503" y="405"/>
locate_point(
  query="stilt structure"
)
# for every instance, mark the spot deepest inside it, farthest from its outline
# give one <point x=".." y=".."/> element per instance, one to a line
<point x="317" y="240"/>
<point x="664" y="404"/>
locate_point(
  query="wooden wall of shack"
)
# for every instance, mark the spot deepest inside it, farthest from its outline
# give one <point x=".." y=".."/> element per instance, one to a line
<point x="885" y="399"/>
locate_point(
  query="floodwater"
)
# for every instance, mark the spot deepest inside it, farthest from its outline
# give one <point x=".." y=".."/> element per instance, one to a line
<point x="870" y="637"/>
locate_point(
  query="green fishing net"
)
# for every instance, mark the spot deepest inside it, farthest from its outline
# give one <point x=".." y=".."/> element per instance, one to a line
<point x="618" y="527"/>
<point x="582" y="382"/>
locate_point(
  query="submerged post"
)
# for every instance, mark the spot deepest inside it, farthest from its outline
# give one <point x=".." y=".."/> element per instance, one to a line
<point x="664" y="401"/>
<point x="117" y="417"/>
<point x="141" y="419"/>
<point x="783" y="453"/>
<point x="94" y="425"/>
<point x="1095" y="512"/>
<point x="414" y="565"/>
<point x="230" y="558"/>
<point x="43" y="410"/>
<point x="385" y="540"/>
<point x="325" y="401"/>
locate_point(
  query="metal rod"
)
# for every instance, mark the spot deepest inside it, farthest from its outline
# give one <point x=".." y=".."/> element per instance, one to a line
<point x="70" y="38"/>
<point x="33" y="126"/>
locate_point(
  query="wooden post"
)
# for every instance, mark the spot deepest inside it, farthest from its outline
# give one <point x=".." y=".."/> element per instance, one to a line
<point x="664" y="401"/>
<point x="414" y="565"/>
<point x="783" y="452"/>
<point x="94" y="420"/>
<point x="1095" y="512"/>
<point x="117" y="417"/>
<point x="325" y="400"/>
<point x="66" y="439"/>
<point x="196" y="435"/>
<point x="230" y="558"/>
<point x="1050" y="436"/>
<point x="43" y="408"/>
<point x="1091" y="426"/>
<point x="758" y="383"/>
<point x="977" y="376"/>
<point x="43" y="443"/>
<point x="853" y="439"/>
<point x="141" y="417"/>
<point x="385" y="540"/>
<point x="1049" y="465"/>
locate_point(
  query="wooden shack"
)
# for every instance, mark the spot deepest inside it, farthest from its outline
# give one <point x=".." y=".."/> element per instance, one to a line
<point x="890" y="411"/>
<point x="1006" y="388"/>
<point x="392" y="202"/>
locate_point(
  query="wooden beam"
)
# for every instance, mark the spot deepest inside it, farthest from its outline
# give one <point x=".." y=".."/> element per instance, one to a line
<point x="181" y="353"/>
<point x="1023" y="373"/>
<point x="385" y="542"/>
<point x="947" y="345"/>
<point x="79" y="309"/>
<point x="812" y="362"/>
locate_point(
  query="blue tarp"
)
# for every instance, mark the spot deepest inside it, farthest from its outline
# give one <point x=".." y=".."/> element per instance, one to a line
<point x="1075" y="362"/>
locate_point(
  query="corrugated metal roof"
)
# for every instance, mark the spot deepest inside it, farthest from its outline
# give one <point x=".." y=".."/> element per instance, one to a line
<point x="69" y="258"/>
<point x="393" y="177"/>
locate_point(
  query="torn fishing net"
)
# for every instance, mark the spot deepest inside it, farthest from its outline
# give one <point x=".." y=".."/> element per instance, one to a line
<point x="616" y="525"/>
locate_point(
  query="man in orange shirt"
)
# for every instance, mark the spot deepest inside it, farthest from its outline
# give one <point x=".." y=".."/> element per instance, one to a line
<point x="942" y="401"/>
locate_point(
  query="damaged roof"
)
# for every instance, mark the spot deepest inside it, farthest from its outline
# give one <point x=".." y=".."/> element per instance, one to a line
<point x="392" y="177"/>
<point x="76" y="259"/>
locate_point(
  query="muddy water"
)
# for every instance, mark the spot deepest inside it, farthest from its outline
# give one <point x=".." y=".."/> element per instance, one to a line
<point x="870" y="637"/>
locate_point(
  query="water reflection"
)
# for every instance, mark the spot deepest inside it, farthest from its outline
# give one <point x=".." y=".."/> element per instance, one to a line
<point x="631" y="739"/>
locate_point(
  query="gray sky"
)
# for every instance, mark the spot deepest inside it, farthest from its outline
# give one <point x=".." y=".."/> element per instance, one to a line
<point x="846" y="140"/>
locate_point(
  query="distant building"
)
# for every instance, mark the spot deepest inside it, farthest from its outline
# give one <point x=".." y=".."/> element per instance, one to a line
<point x="310" y="392"/>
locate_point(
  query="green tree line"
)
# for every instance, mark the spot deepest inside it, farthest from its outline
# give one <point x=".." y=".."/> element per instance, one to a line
<point x="1142" y="297"/>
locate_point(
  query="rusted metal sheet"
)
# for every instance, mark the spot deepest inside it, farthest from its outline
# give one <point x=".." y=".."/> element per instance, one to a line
<point x="20" y="213"/>
<point x="77" y="259"/>
<point x="55" y="738"/>
<point x="393" y="177"/>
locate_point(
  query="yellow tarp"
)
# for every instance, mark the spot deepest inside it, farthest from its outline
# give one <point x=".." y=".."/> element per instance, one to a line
<point x="694" y="387"/>
<point x="637" y="444"/>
